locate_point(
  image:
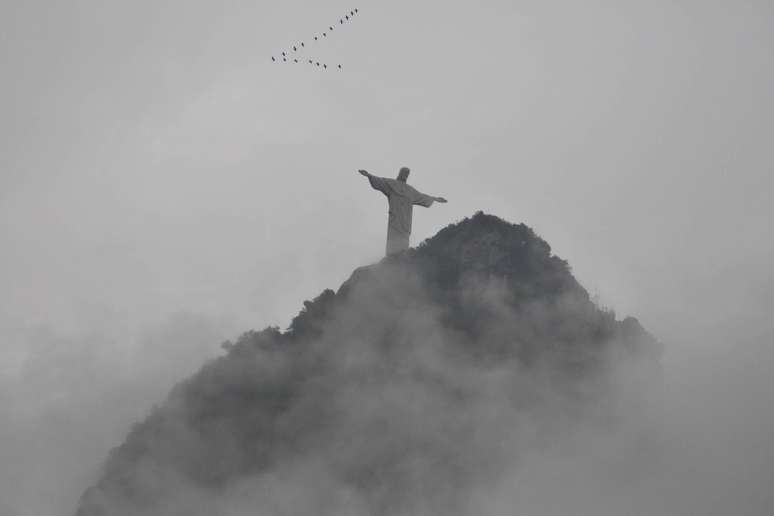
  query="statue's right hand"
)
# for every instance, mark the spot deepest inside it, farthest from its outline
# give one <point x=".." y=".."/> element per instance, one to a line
<point x="364" y="173"/>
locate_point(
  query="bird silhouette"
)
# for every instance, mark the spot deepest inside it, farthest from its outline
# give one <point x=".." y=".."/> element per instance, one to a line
<point x="301" y="45"/>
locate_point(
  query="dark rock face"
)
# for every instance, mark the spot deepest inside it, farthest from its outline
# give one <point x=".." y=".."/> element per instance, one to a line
<point x="416" y="383"/>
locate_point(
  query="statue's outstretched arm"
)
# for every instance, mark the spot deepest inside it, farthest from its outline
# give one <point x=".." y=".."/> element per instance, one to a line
<point x="377" y="183"/>
<point x="425" y="200"/>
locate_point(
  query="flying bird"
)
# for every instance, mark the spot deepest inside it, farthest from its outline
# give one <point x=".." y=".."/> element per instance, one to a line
<point x="301" y="45"/>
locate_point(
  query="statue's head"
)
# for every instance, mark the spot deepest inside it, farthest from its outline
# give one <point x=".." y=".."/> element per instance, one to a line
<point x="403" y="174"/>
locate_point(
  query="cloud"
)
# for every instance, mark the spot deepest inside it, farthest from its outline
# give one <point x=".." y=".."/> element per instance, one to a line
<point x="66" y="398"/>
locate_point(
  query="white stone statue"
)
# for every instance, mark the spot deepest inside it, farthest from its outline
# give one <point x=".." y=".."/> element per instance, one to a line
<point x="402" y="198"/>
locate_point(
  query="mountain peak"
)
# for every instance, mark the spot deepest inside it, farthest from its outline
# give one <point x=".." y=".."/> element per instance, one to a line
<point x="392" y="392"/>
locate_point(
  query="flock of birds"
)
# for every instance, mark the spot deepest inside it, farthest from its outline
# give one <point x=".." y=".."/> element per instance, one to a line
<point x="289" y="56"/>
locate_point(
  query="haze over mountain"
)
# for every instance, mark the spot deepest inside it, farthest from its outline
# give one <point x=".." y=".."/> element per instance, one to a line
<point x="424" y="385"/>
<point x="164" y="186"/>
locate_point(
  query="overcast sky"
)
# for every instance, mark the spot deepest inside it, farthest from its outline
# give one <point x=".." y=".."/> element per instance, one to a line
<point x="164" y="185"/>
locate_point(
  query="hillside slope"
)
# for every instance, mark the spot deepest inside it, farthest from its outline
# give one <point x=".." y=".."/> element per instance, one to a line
<point x="415" y="384"/>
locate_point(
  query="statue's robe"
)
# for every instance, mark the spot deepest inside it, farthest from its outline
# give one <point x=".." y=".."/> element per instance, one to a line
<point x="402" y="198"/>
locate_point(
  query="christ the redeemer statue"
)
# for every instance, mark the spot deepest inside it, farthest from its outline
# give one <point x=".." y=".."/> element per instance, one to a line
<point x="402" y="198"/>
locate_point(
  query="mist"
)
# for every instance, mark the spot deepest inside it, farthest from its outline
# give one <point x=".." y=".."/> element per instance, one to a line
<point x="163" y="189"/>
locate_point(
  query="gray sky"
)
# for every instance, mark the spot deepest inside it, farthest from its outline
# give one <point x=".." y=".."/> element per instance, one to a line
<point x="154" y="162"/>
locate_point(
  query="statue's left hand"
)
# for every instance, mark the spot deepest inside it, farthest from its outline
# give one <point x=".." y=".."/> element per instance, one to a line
<point x="440" y="199"/>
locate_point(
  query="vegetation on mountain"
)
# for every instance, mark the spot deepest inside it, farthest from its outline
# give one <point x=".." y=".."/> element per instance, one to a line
<point x="414" y="383"/>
